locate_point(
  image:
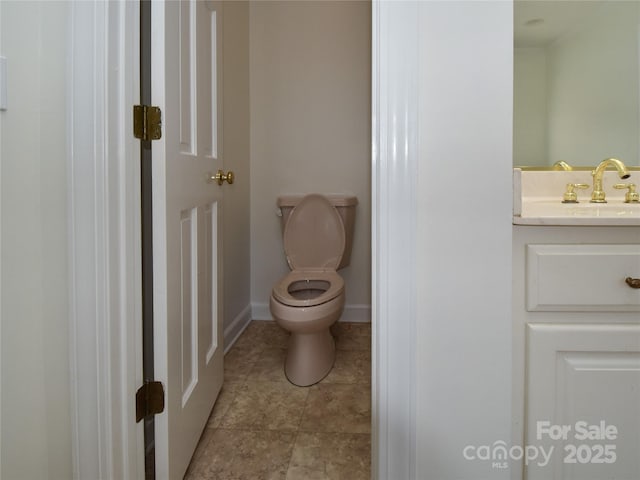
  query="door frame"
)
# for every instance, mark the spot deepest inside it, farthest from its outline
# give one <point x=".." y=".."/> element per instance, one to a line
<point x="105" y="247"/>
<point x="394" y="68"/>
<point x="105" y="300"/>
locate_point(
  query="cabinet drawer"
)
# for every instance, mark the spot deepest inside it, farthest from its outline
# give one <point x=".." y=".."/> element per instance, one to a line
<point x="582" y="278"/>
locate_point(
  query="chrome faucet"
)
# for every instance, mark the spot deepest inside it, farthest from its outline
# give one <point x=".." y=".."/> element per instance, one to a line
<point x="597" y="196"/>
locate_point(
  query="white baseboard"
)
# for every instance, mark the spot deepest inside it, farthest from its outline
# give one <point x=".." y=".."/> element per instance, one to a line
<point x="260" y="311"/>
<point x="352" y="313"/>
<point x="236" y="327"/>
<point x="356" y="313"/>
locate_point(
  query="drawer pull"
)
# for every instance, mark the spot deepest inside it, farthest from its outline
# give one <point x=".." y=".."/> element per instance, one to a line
<point x="633" y="282"/>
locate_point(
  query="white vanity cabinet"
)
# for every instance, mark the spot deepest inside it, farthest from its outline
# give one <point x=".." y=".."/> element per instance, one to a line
<point x="576" y="353"/>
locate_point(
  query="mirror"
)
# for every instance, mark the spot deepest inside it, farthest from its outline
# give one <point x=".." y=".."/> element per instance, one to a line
<point x="576" y="82"/>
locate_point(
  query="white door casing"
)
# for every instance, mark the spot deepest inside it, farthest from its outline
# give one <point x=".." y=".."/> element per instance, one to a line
<point x="395" y="34"/>
<point x="186" y="73"/>
<point x="93" y="427"/>
<point x="105" y="327"/>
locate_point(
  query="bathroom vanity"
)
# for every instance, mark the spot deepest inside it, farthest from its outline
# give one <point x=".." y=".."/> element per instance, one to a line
<point x="576" y="333"/>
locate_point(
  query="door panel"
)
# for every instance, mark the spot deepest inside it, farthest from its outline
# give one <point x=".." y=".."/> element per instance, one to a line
<point x="187" y="213"/>
<point x="209" y="297"/>
<point x="583" y="378"/>
<point x="188" y="301"/>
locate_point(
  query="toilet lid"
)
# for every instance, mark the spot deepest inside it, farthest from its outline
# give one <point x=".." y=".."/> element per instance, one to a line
<point x="314" y="235"/>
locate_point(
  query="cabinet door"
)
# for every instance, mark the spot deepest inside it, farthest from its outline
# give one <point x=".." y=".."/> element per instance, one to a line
<point x="583" y="401"/>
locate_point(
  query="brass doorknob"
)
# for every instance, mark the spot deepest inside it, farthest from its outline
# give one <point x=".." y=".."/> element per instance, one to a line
<point x="219" y="177"/>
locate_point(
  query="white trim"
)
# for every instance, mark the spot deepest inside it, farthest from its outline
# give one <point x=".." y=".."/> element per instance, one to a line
<point x="1" y="270"/>
<point x="236" y="327"/>
<point x="104" y="240"/>
<point x="260" y="311"/>
<point x="356" y="313"/>
<point x="99" y="252"/>
<point x="395" y="158"/>
<point x="352" y="313"/>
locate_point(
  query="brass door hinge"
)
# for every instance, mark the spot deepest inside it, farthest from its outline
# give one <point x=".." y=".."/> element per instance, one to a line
<point x="147" y="122"/>
<point x="149" y="400"/>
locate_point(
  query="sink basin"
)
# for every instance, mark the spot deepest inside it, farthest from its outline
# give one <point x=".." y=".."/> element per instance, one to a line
<point x="554" y="208"/>
<point x="538" y="200"/>
<point x="554" y="212"/>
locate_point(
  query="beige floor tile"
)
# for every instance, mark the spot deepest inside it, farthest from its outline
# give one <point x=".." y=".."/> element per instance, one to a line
<point x="246" y="351"/>
<point x="239" y="361"/>
<point x="266" y="406"/>
<point x="253" y="426"/>
<point x="243" y="455"/>
<point x="337" y="408"/>
<point x="351" y="366"/>
<point x="352" y="336"/>
<point x="352" y="328"/>
<point x="202" y="444"/>
<point x="223" y="402"/>
<point x="273" y="335"/>
<point x="331" y="456"/>
<point x="263" y="333"/>
<point x="269" y="366"/>
<point x="250" y="336"/>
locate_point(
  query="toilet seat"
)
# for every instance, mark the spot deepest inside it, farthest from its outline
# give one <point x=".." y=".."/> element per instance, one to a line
<point x="282" y="290"/>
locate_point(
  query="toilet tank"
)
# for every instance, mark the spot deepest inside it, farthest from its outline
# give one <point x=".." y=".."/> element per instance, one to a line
<point x="344" y="204"/>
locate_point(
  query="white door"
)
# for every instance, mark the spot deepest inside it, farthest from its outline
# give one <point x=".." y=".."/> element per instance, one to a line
<point x="187" y="209"/>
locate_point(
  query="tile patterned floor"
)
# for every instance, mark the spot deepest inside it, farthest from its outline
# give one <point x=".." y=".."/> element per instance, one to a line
<point x="264" y="428"/>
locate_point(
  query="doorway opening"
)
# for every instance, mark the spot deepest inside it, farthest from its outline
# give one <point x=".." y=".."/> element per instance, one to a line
<point x="146" y="235"/>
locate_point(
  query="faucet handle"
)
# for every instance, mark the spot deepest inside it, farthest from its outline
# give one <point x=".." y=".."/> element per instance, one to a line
<point x="631" y="196"/>
<point x="570" y="196"/>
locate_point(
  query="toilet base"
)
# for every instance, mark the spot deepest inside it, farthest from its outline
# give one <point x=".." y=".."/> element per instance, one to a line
<point x="312" y="349"/>
<point x="310" y="357"/>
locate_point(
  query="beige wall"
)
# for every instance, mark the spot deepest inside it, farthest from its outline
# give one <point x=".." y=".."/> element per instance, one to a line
<point x="310" y="128"/>
<point x="36" y="431"/>
<point x="235" y="144"/>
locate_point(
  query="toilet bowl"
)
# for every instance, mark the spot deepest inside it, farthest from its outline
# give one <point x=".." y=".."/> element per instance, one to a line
<point x="310" y="299"/>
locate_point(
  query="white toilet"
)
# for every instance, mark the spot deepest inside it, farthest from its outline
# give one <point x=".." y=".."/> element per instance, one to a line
<point x="318" y="236"/>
